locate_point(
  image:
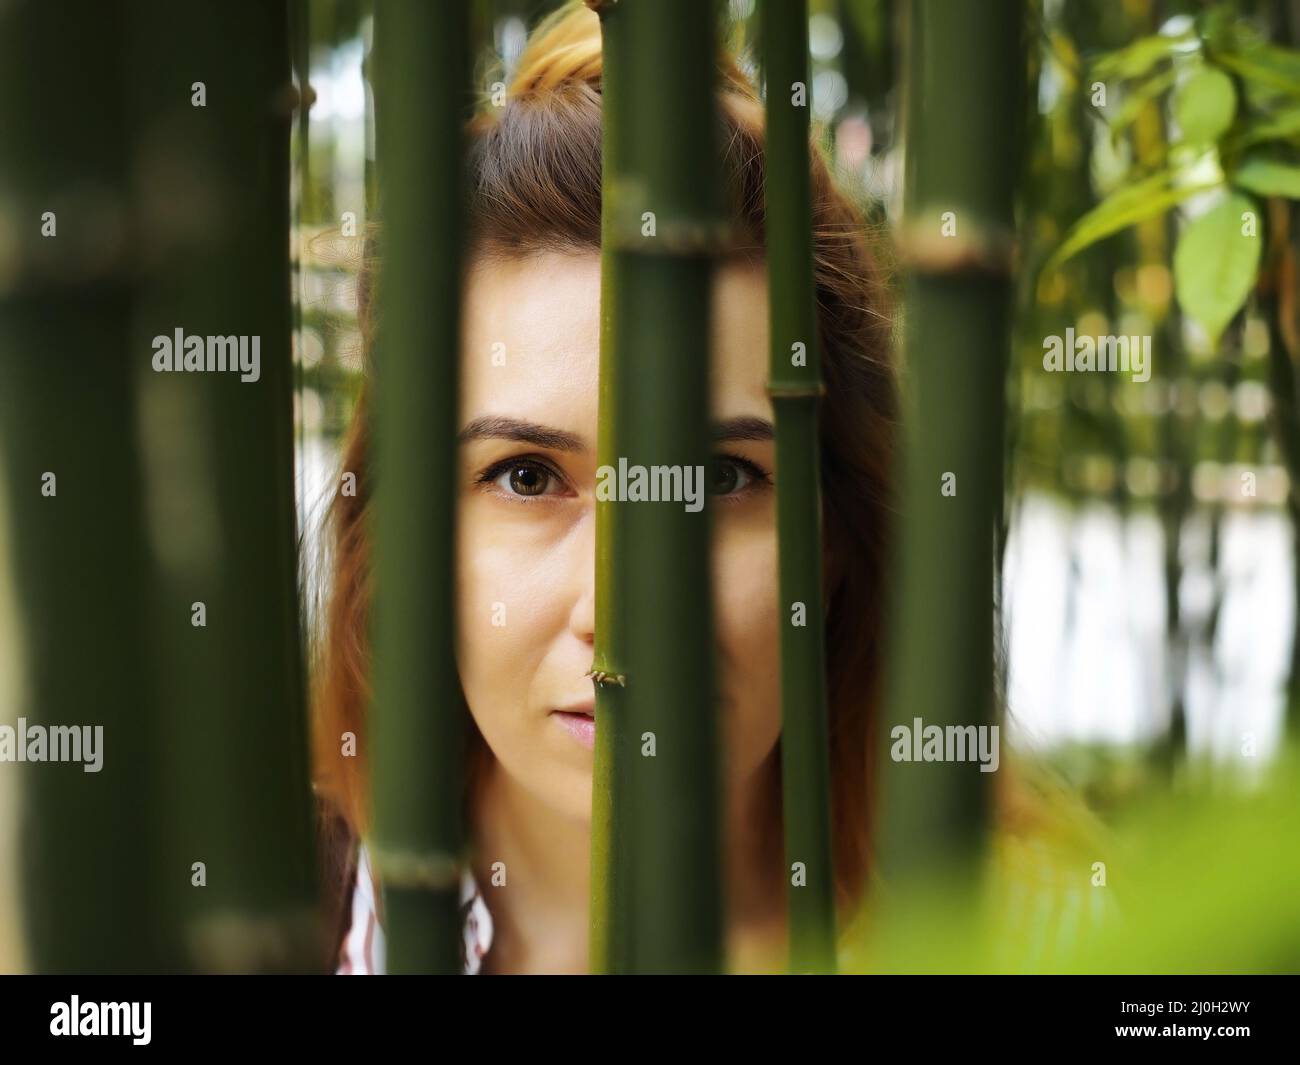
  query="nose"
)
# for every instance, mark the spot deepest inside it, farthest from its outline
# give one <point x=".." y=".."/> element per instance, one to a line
<point x="582" y="617"/>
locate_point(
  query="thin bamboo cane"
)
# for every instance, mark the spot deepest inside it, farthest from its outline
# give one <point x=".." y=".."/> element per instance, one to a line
<point x="611" y="912"/>
<point x="421" y="78"/>
<point x="795" y="386"/>
<point x="301" y="202"/>
<point x="1281" y="307"/>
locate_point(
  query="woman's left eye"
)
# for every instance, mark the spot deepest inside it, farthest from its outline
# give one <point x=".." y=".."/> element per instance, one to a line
<point x="522" y="478"/>
<point x="729" y="475"/>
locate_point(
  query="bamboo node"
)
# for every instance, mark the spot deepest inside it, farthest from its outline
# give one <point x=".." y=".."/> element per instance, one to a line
<point x="287" y="100"/>
<point x="637" y="225"/>
<point x="230" y="941"/>
<point x="674" y="237"/>
<point x="410" y="869"/>
<point x="975" y="249"/>
<point x="785" y="390"/>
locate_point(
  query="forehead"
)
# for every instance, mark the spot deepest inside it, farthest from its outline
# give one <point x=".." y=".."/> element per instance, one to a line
<point x="531" y="337"/>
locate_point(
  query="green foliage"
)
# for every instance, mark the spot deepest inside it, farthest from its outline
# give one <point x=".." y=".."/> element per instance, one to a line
<point x="1229" y="92"/>
<point x="1265" y="68"/>
<point x="1202" y="880"/>
<point x="1138" y="59"/>
<point x="1136" y="100"/>
<point x="1205" y="106"/>
<point x="1265" y="177"/>
<point x="1215" y="263"/>
<point x="1131" y="203"/>
<point x="1280" y="126"/>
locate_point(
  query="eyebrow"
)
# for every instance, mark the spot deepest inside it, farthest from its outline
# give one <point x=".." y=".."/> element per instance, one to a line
<point x="496" y="427"/>
<point x="744" y="428"/>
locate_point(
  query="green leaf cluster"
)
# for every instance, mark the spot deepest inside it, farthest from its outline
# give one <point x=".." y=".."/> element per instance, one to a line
<point x="1234" y="101"/>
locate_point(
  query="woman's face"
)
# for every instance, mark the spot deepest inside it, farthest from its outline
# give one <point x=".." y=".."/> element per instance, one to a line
<point x="527" y="519"/>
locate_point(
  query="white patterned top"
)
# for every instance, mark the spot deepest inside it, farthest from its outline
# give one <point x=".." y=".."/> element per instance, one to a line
<point x="363" y="951"/>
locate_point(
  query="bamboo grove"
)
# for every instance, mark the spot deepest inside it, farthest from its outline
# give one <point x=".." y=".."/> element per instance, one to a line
<point x="152" y="515"/>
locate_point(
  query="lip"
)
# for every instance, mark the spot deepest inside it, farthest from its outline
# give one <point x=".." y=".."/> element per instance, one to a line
<point x="579" y="722"/>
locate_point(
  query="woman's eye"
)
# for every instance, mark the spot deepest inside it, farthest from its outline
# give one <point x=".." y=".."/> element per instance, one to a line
<point x="728" y="476"/>
<point x="522" y="478"/>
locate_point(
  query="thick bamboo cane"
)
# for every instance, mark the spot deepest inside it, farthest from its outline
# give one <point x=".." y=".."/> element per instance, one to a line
<point x="665" y="211"/>
<point x="965" y="74"/>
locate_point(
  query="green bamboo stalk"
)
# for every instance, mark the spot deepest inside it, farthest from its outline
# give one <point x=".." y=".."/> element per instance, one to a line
<point x="301" y="201"/>
<point x="422" y="100"/>
<point x="369" y="178"/>
<point x="611" y="903"/>
<point x="219" y="458"/>
<point x="964" y="78"/>
<point x="661" y="351"/>
<point x="1276" y="304"/>
<point x="1283" y="354"/>
<point x="203" y="712"/>
<point x="795" y="386"/>
<point x="79" y="558"/>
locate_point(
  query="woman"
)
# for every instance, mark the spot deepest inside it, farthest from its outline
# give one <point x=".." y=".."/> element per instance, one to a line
<point x="527" y="518"/>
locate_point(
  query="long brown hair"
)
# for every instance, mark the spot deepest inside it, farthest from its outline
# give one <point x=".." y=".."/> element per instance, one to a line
<point x="535" y="184"/>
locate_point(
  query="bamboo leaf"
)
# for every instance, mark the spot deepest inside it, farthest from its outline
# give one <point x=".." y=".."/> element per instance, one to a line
<point x="1215" y="264"/>
<point x="1205" y="106"/>
<point x="1127" y="206"/>
<point x="1266" y="177"/>
<point x="1139" y="98"/>
<point x="1136" y="59"/>
<point x="1265" y="67"/>
<point x="1282" y="126"/>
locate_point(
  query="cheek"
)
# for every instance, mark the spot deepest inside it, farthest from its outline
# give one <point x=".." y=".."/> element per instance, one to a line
<point x="498" y="589"/>
<point x="746" y="620"/>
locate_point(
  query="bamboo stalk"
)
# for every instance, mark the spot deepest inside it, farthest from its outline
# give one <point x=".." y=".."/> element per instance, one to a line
<point x="221" y="445"/>
<point x="1278" y="303"/>
<point x="964" y="80"/>
<point x="202" y="703"/>
<point x="1281" y="306"/>
<point x="611" y="903"/>
<point x="301" y="204"/>
<point x="796" y="388"/>
<point x="421" y="77"/>
<point x="79" y="558"/>
<point x="666" y="762"/>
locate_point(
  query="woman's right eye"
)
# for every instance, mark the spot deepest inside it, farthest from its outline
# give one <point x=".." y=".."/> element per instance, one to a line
<point x="521" y="478"/>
